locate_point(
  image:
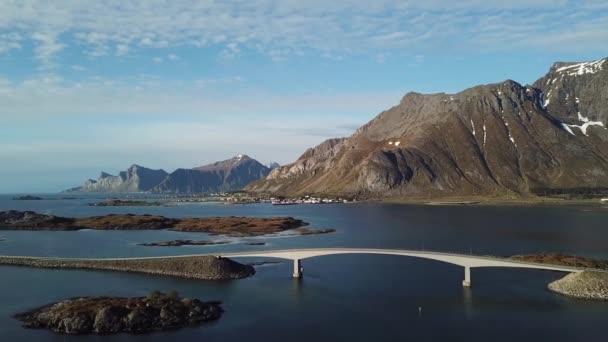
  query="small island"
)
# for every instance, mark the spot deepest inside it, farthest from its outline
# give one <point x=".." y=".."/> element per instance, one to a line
<point x="176" y="243"/>
<point x="230" y="226"/>
<point x="588" y="284"/>
<point x="27" y="198"/>
<point x="122" y="203"/>
<point x="111" y="315"/>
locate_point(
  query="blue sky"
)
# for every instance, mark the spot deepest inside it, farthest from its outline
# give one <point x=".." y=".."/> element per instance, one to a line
<point x="87" y="86"/>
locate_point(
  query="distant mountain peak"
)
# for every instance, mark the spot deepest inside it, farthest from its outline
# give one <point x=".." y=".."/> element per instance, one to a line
<point x="227" y="175"/>
<point x="225" y="164"/>
<point x="272" y="165"/>
<point x="105" y="175"/>
<point x="135" y="179"/>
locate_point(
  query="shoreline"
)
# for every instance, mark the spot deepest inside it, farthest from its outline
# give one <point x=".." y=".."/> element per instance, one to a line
<point x="485" y="201"/>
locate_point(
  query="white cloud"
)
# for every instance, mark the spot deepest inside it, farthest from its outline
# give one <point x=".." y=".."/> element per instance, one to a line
<point x="9" y="41"/>
<point x="335" y="28"/>
<point x="157" y="59"/>
<point x="122" y="49"/>
<point x="48" y="46"/>
<point x="173" y="57"/>
<point x="51" y="96"/>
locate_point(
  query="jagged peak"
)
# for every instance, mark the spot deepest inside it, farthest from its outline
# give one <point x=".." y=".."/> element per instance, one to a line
<point x="226" y="164"/>
<point x="240" y="157"/>
<point x="579" y="68"/>
<point x="105" y="175"/>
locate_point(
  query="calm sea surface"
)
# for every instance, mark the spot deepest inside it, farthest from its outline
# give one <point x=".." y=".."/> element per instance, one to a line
<point x="340" y="298"/>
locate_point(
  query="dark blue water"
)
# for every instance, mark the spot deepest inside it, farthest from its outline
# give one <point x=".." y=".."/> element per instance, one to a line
<point x="346" y="297"/>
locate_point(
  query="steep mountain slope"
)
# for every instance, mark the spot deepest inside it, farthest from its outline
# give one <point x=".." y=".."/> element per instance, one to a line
<point x="134" y="179"/>
<point x="228" y="175"/>
<point x="492" y="140"/>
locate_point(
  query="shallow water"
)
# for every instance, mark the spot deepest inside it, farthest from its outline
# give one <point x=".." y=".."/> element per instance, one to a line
<point x="354" y="297"/>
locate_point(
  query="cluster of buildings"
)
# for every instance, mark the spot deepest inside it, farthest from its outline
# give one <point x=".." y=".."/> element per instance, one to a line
<point x="307" y="200"/>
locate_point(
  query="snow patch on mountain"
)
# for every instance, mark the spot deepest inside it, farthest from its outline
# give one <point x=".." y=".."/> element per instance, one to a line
<point x="582" y="68"/>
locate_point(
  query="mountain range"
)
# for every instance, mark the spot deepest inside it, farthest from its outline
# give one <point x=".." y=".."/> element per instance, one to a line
<point x="228" y="175"/>
<point x="502" y="139"/>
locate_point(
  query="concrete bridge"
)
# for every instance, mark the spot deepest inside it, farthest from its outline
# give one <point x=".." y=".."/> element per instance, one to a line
<point x="464" y="260"/>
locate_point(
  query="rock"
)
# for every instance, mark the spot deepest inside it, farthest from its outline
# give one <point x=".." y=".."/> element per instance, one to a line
<point x="110" y="315"/>
<point x="111" y="319"/>
<point x="585" y="285"/>
<point x="79" y="323"/>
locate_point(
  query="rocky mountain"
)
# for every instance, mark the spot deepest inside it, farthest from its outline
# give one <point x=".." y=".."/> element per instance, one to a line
<point x="502" y="139"/>
<point x="134" y="179"/>
<point x="228" y="175"/>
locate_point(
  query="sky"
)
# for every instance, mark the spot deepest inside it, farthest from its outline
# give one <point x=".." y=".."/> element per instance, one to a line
<point x="92" y="85"/>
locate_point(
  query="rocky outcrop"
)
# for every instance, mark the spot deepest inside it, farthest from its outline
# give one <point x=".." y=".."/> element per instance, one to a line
<point x="501" y="139"/>
<point x="203" y="267"/>
<point x="229" y="175"/>
<point x="231" y="226"/>
<point x="584" y="285"/>
<point x="31" y="220"/>
<point x="134" y="179"/>
<point x="110" y="315"/>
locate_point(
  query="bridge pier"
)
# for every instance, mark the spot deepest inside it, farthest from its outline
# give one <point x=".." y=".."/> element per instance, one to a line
<point x="467" y="277"/>
<point x="297" y="268"/>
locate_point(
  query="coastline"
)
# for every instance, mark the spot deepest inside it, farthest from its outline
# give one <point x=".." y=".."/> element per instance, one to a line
<point x="490" y="201"/>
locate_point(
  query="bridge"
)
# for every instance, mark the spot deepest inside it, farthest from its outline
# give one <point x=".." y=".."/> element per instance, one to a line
<point x="464" y="260"/>
<point x="468" y="261"/>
